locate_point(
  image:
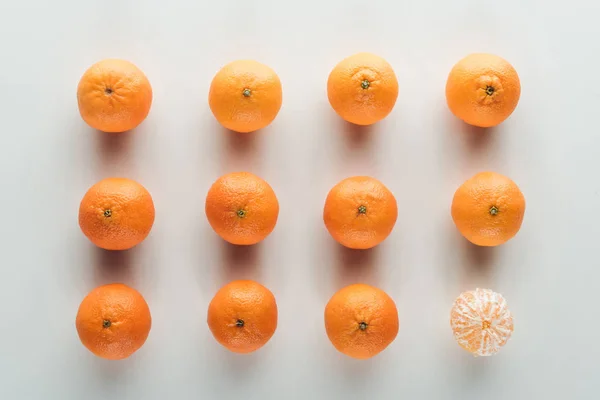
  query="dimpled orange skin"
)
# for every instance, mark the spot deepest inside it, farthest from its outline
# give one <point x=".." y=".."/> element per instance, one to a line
<point x="243" y="316"/>
<point x="242" y="208"/>
<point x="361" y="321"/>
<point x="116" y="214"/>
<point x="114" y="96"/>
<point x="245" y="96"/>
<point x="488" y="209"/>
<point x="113" y="321"/>
<point x="362" y="89"/>
<point x="360" y="212"/>
<point x="483" y="90"/>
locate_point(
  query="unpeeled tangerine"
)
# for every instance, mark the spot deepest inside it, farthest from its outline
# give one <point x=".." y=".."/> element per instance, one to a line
<point x="481" y="321"/>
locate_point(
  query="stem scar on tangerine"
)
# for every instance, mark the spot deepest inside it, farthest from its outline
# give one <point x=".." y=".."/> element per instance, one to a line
<point x="360" y="212"/>
<point x="241" y="208"/>
<point x="116" y="214"/>
<point x="114" y="96"/>
<point x="351" y="92"/>
<point x="251" y="79"/>
<point x="244" y="298"/>
<point x="488" y="209"/>
<point x="483" y="90"/>
<point x="361" y="321"/>
<point x="113" y="321"/>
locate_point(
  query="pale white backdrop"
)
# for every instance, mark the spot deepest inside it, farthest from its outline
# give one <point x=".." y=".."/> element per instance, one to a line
<point x="549" y="273"/>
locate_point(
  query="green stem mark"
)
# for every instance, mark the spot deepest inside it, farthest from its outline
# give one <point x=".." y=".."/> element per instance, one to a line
<point x="494" y="210"/>
<point x="362" y="210"/>
<point x="106" y="323"/>
<point x="107" y="213"/>
<point x="362" y="326"/>
<point x="365" y="84"/>
<point x="247" y="92"/>
<point x="241" y="213"/>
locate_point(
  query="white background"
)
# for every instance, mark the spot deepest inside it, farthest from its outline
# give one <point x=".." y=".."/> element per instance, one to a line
<point x="549" y="273"/>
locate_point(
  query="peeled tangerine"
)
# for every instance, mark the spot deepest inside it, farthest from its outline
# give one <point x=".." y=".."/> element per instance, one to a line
<point x="481" y="322"/>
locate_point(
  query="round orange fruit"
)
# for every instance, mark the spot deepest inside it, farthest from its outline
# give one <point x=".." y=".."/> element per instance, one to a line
<point x="243" y="316"/>
<point x="360" y="212"/>
<point x="361" y="321"/>
<point x="116" y="214"/>
<point x="245" y="96"/>
<point x="242" y="208"/>
<point x="114" y="96"/>
<point x="488" y="209"/>
<point x="481" y="322"/>
<point x="362" y="89"/>
<point x="113" y="321"/>
<point x="483" y="90"/>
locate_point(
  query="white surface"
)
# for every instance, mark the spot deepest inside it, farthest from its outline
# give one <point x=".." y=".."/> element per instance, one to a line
<point x="548" y="273"/>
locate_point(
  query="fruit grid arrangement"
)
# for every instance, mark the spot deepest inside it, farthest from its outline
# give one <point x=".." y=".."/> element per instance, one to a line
<point x="114" y="321"/>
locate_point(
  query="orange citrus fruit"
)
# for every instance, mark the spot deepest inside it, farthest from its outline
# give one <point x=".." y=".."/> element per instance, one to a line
<point x="488" y="209"/>
<point x="114" y="96"/>
<point x="360" y="212"/>
<point x="243" y="316"/>
<point x="245" y="96"/>
<point x="113" y="321"/>
<point x="481" y="322"/>
<point x="242" y="208"/>
<point x="483" y="90"/>
<point x="362" y="88"/>
<point x="116" y="214"/>
<point x="361" y="321"/>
